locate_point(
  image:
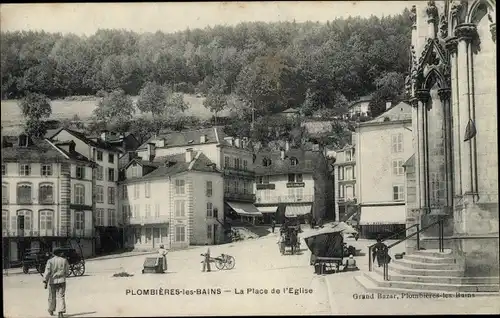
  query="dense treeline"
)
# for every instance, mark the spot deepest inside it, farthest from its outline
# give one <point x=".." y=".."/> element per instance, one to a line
<point x="271" y="66"/>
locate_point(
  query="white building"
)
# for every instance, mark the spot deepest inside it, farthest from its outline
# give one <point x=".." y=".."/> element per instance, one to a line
<point x="173" y="201"/>
<point x="345" y="182"/>
<point x="384" y="144"/>
<point x="46" y="197"/>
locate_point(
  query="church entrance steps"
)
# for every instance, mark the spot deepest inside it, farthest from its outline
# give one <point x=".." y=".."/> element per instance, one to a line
<point x="432" y="266"/>
<point x="401" y="268"/>
<point x="430" y="259"/>
<point x="373" y="282"/>
<point x="434" y="253"/>
<point x="394" y="276"/>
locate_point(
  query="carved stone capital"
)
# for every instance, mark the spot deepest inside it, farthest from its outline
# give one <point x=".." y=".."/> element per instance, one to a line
<point x="493" y="30"/>
<point x="443" y="26"/>
<point x="432" y="11"/>
<point x="466" y="32"/>
<point x="444" y="94"/>
<point x="451" y="44"/>
<point x="422" y="95"/>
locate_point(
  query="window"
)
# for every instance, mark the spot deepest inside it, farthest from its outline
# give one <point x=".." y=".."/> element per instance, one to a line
<point x="111" y="174"/>
<point x="397" y="143"/>
<point x="210" y="232"/>
<point x="111" y="158"/>
<point x="341" y="191"/>
<point x="46" y="193"/>
<point x="210" y="210"/>
<point x="245" y="165"/>
<point x="294" y="161"/>
<point x="136" y="191"/>
<point x="341" y="173"/>
<point x="79" y="220"/>
<point x="266" y="162"/>
<point x="24" y="193"/>
<point x="295" y="177"/>
<point x="148" y="210"/>
<point x="180" y="233"/>
<point x="299" y="193"/>
<point x="100" y="173"/>
<point x="349" y="193"/>
<point x="149" y="235"/>
<point x="80" y="172"/>
<point x="111" y="195"/>
<point x="99" y="217"/>
<point x="148" y="189"/>
<point x="157" y="210"/>
<point x="46" y="220"/>
<point x="263" y="179"/>
<point x="111" y="217"/>
<point x="180" y="206"/>
<point x="137" y="211"/>
<point x="308" y="164"/>
<point x="226" y="162"/>
<point x="397" y="167"/>
<point x="46" y="170"/>
<point x="4" y="169"/>
<point x="125" y="211"/>
<point x="398" y="193"/>
<point x="348" y="173"/>
<point x="246" y="187"/>
<point x="23" y="219"/>
<point x="353" y="173"/>
<point x="24" y="169"/>
<point x="348" y="155"/>
<point x="79" y="194"/>
<point x="5" y="220"/>
<point x="124" y="192"/>
<point x="99" y="194"/>
<point x="5" y="194"/>
<point x="267" y="194"/>
<point x="179" y="186"/>
<point x="227" y="186"/>
<point x="99" y="155"/>
<point x="209" y="189"/>
<point x="237" y="163"/>
<point x="135" y="171"/>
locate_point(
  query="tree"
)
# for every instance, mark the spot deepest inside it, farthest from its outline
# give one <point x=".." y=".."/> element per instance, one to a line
<point x="152" y="98"/>
<point x="390" y="87"/>
<point x="114" y="107"/>
<point x="215" y="102"/>
<point x="35" y="108"/>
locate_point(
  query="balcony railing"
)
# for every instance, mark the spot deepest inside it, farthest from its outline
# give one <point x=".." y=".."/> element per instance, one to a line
<point x="263" y="186"/>
<point x="249" y="197"/>
<point x="285" y="199"/>
<point x="42" y="233"/>
<point x="148" y="220"/>
<point x="238" y="171"/>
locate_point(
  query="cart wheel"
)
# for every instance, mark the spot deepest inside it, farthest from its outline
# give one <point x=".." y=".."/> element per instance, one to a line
<point x="26" y="269"/>
<point x="219" y="263"/>
<point x="230" y="262"/>
<point x="78" y="269"/>
<point x="40" y="268"/>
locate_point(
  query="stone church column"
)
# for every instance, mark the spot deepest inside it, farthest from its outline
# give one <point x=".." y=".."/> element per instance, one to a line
<point x="444" y="95"/>
<point x="464" y="33"/>
<point x="423" y="98"/>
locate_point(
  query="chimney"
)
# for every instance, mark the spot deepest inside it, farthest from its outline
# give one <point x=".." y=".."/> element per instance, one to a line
<point x="203" y="139"/>
<point x="388" y="104"/>
<point x="104" y="135"/>
<point x="237" y="143"/>
<point x="189" y="155"/>
<point x="151" y="153"/>
<point x="282" y="154"/>
<point x="287" y="146"/>
<point x="160" y="143"/>
<point x="229" y="140"/>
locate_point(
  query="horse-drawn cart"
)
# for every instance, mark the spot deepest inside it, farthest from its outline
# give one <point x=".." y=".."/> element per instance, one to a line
<point x="290" y="240"/>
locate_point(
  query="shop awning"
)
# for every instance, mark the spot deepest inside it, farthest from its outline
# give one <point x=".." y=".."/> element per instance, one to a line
<point x="297" y="210"/>
<point x="244" y="209"/>
<point x="267" y="209"/>
<point x="381" y="215"/>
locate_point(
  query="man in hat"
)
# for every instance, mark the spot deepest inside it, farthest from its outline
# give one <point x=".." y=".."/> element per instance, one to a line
<point x="54" y="277"/>
<point x="206" y="260"/>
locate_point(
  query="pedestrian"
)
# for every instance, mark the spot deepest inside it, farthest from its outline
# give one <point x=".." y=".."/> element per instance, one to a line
<point x="380" y="251"/>
<point x="273" y="225"/>
<point x="350" y="264"/>
<point x="162" y="252"/>
<point x="54" y="277"/>
<point x="206" y="260"/>
<point x="281" y="243"/>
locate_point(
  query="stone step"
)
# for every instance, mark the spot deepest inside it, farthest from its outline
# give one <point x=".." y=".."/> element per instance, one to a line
<point x="434" y="253"/>
<point x="430" y="259"/>
<point x="404" y="270"/>
<point x="394" y="276"/>
<point x="379" y="281"/>
<point x="418" y="265"/>
<point x="372" y="287"/>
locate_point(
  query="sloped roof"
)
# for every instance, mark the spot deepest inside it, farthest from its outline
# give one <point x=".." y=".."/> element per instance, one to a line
<point x="279" y="166"/>
<point x="290" y="110"/>
<point x="200" y="163"/>
<point x="401" y="111"/>
<point x="410" y="162"/>
<point x="365" y="98"/>
<point x="97" y="143"/>
<point x="183" y="138"/>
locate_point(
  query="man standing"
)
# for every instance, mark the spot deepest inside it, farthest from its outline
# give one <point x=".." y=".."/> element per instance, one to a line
<point x="273" y="225"/>
<point x="206" y="260"/>
<point x="56" y="271"/>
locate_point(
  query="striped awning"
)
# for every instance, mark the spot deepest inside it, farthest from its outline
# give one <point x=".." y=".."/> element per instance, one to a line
<point x="267" y="209"/>
<point x="381" y="215"/>
<point x="244" y="209"/>
<point x="296" y="210"/>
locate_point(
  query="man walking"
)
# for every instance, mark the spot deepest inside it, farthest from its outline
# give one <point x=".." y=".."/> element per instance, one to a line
<point x="56" y="271"/>
<point x="273" y="225"/>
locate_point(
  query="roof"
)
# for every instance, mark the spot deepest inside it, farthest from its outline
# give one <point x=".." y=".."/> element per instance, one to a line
<point x="200" y="163"/>
<point x="410" y="162"/>
<point x="186" y="138"/>
<point x="279" y="166"/>
<point x="365" y="98"/>
<point x="97" y="143"/>
<point x="401" y="111"/>
<point x="290" y="110"/>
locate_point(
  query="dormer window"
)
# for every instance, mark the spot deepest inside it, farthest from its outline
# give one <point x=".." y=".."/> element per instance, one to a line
<point x="266" y="162"/>
<point x="23" y="140"/>
<point x="294" y="161"/>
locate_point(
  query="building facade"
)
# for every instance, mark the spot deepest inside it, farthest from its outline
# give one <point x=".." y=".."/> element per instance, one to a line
<point x="383" y="145"/>
<point x="455" y="167"/>
<point x="345" y="183"/>
<point x="46" y="197"/>
<point x="172" y="201"/>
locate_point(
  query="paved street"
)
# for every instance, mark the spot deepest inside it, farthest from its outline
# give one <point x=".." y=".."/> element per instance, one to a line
<point x="258" y="265"/>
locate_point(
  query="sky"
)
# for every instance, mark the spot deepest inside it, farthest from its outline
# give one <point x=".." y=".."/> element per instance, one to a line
<point x="87" y="18"/>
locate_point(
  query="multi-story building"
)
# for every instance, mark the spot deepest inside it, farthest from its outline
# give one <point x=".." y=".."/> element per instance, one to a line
<point x="173" y="200"/>
<point x="46" y="196"/>
<point x="106" y="154"/>
<point x="360" y="107"/>
<point x="284" y="183"/>
<point x="232" y="156"/>
<point x="345" y="183"/>
<point x="383" y="145"/>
